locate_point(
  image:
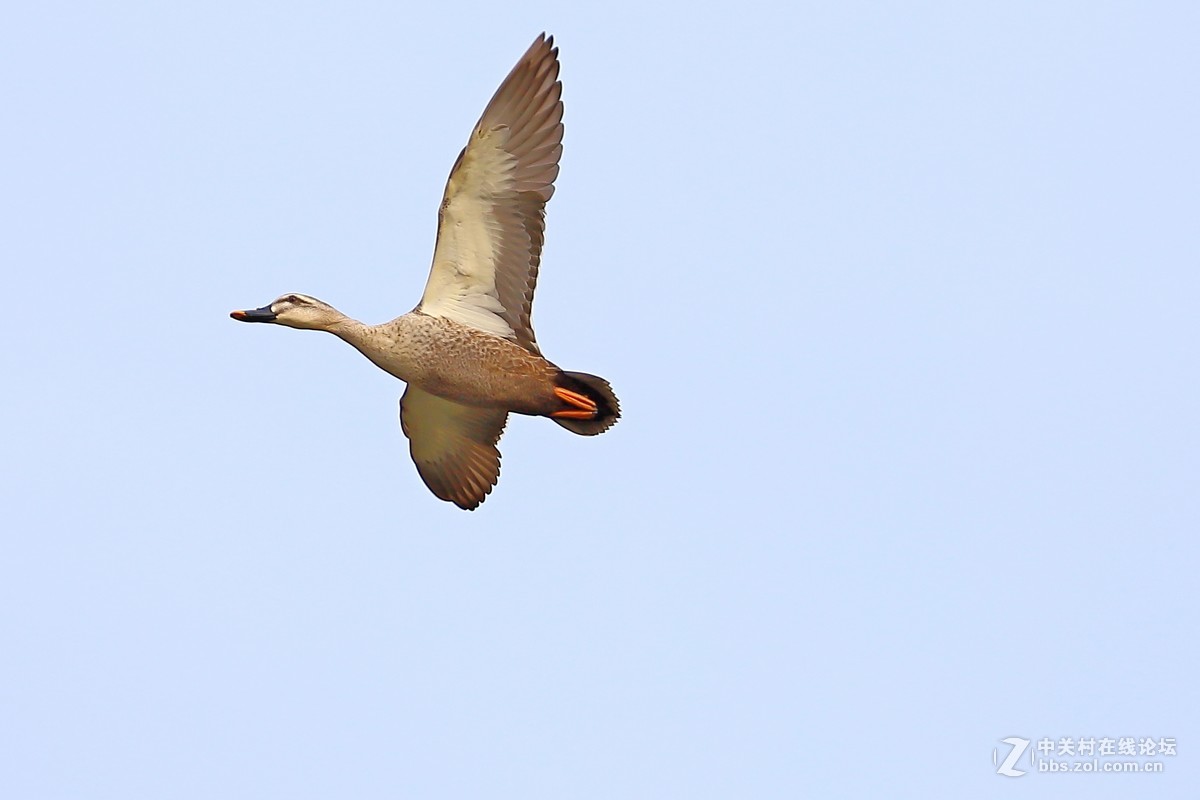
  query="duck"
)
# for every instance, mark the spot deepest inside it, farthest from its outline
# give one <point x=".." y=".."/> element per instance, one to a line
<point x="467" y="352"/>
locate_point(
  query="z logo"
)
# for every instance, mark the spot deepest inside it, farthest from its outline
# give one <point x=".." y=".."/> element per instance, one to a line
<point x="1018" y="749"/>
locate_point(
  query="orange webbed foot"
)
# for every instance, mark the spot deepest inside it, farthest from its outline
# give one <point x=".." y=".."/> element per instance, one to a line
<point x="582" y="406"/>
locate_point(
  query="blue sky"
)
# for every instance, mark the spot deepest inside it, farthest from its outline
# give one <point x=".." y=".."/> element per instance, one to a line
<point x="900" y="302"/>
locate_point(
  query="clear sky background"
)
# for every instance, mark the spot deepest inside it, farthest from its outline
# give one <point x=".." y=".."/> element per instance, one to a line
<point x="900" y="301"/>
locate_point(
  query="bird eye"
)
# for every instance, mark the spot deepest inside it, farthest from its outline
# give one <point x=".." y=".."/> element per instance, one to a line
<point x="291" y="298"/>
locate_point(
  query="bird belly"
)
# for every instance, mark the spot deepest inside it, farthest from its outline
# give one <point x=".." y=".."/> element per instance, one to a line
<point x="507" y="377"/>
<point x="474" y="368"/>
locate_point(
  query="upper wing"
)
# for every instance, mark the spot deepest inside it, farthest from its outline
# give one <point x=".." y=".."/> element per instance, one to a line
<point x="492" y="221"/>
<point x="454" y="446"/>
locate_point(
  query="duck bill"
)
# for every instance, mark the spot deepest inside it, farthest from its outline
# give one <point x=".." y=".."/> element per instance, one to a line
<point x="264" y="314"/>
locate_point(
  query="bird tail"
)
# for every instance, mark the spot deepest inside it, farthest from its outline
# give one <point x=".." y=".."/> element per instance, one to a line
<point x="589" y="405"/>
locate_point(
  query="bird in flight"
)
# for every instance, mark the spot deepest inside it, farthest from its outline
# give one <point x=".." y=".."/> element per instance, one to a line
<point x="467" y="351"/>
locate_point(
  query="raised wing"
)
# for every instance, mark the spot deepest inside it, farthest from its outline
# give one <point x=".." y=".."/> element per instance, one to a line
<point x="492" y="221"/>
<point x="453" y="446"/>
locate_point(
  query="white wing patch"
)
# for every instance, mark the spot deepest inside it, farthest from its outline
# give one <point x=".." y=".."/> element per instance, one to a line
<point x="462" y="282"/>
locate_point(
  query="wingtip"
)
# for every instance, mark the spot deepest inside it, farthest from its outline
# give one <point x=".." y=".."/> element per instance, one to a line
<point x="543" y="42"/>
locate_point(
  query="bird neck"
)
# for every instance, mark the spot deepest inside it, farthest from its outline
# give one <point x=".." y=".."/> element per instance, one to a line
<point x="349" y="330"/>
